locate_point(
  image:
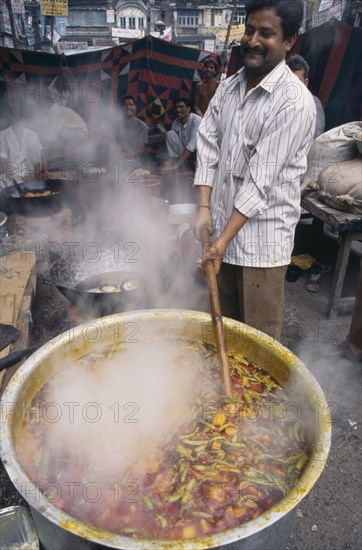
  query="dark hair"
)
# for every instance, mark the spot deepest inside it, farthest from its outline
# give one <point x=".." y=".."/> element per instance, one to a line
<point x="289" y="11"/>
<point x="211" y="60"/>
<point x="185" y="100"/>
<point x="296" y="62"/>
<point x="126" y="98"/>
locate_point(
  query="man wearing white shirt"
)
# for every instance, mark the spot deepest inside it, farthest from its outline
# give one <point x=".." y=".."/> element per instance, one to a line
<point x="251" y="154"/>
<point x="181" y="139"/>
<point x="20" y="150"/>
<point x="298" y="65"/>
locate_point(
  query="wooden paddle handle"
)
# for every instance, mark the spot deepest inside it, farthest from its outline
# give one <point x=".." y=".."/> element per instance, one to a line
<point x="216" y="316"/>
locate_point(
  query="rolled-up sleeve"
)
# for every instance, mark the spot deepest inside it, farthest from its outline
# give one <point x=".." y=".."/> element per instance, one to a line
<point x="208" y="150"/>
<point x="286" y="138"/>
<point x="192" y="142"/>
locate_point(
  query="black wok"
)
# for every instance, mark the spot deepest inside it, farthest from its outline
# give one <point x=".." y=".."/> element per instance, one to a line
<point x="112" y="284"/>
<point x="38" y="197"/>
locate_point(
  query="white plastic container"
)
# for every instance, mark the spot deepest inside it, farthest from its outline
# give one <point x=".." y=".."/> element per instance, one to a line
<point x="181" y="213"/>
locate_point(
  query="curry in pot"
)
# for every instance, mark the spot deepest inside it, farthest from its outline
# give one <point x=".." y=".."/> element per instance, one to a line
<point x="228" y="461"/>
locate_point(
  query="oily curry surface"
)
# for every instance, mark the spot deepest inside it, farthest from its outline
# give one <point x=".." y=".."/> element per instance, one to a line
<point x="228" y="461"/>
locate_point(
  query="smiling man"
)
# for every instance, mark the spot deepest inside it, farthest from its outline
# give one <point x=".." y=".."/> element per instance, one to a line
<point x="252" y="147"/>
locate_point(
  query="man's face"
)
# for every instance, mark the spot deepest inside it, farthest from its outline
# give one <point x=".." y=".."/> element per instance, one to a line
<point x="209" y="71"/>
<point x="182" y="111"/>
<point x="18" y="122"/>
<point x="129" y="107"/>
<point x="301" y="76"/>
<point x="263" y="44"/>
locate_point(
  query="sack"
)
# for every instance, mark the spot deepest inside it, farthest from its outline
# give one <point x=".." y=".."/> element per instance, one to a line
<point x="336" y="145"/>
<point x="342" y="189"/>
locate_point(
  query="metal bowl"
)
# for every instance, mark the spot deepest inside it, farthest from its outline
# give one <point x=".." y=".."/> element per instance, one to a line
<point x="59" y="530"/>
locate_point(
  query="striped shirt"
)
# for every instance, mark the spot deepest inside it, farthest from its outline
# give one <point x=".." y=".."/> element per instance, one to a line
<point x="252" y="151"/>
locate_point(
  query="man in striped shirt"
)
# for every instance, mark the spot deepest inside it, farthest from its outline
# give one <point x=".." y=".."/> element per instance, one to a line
<point x="251" y="151"/>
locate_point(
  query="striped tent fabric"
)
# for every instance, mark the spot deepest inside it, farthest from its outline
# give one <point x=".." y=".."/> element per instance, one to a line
<point x="154" y="71"/>
<point x="333" y="52"/>
<point x="25" y="76"/>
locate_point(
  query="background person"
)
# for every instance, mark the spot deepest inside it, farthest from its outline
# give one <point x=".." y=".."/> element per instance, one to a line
<point x="130" y="132"/>
<point x="20" y="150"/>
<point x="251" y="154"/>
<point x="207" y="88"/>
<point x="298" y="65"/>
<point x="66" y="131"/>
<point x="181" y="139"/>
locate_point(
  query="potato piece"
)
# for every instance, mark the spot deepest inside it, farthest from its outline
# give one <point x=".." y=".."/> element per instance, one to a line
<point x="189" y="532"/>
<point x="219" y="419"/>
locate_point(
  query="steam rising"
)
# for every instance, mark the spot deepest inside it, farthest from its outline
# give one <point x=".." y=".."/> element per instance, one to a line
<point x="114" y="417"/>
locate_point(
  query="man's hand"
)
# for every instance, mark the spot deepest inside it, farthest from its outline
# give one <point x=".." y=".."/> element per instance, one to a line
<point x="161" y="129"/>
<point x="169" y="166"/>
<point x="213" y="252"/>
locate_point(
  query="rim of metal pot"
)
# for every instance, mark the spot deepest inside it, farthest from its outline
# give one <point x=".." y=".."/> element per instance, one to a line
<point x="36" y="499"/>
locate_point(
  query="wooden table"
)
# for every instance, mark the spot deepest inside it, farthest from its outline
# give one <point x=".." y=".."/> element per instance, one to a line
<point x="17" y="290"/>
<point x="349" y="227"/>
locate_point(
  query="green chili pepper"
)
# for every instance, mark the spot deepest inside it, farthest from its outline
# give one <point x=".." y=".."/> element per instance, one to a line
<point x="162" y="520"/>
<point x="148" y="502"/>
<point x="203" y="515"/>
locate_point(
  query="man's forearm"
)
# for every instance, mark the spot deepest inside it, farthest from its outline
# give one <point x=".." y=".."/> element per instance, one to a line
<point x="204" y="192"/>
<point x="233" y="226"/>
<point x="185" y="155"/>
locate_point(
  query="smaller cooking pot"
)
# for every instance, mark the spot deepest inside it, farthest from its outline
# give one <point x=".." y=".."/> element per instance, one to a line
<point x="113" y="283"/>
<point x="148" y="186"/>
<point x="37" y="197"/>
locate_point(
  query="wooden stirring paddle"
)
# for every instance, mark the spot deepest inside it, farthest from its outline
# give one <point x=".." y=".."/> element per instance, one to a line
<point x="216" y="317"/>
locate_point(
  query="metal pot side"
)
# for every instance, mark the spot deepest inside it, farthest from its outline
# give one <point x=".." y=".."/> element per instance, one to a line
<point x="265" y="531"/>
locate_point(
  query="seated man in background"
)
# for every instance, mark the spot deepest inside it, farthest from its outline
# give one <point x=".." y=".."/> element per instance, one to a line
<point x="20" y="150"/>
<point x="298" y="65"/>
<point x="206" y="89"/>
<point x="66" y="131"/>
<point x="181" y="139"/>
<point x="130" y="132"/>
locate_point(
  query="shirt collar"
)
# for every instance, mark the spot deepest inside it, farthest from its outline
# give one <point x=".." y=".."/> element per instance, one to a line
<point x="269" y="81"/>
<point x="13" y="135"/>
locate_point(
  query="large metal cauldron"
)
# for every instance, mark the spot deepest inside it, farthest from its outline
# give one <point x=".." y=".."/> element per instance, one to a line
<point x="59" y="531"/>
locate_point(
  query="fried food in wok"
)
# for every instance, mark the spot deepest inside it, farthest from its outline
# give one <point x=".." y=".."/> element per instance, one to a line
<point x="110" y="282"/>
<point x="44" y="193"/>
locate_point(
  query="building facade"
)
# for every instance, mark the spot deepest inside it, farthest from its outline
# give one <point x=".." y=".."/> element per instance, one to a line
<point x="195" y="23"/>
